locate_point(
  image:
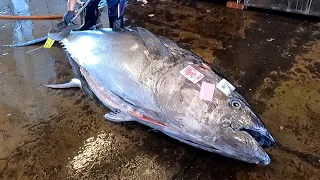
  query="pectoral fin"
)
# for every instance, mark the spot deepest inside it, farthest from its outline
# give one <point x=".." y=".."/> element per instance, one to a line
<point x="118" y="116"/>
<point x="72" y="84"/>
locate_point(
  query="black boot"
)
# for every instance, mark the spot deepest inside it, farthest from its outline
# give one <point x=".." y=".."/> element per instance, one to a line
<point x="116" y="23"/>
<point x="90" y="19"/>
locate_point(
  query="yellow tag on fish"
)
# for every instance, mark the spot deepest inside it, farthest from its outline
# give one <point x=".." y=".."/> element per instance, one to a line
<point x="48" y="43"/>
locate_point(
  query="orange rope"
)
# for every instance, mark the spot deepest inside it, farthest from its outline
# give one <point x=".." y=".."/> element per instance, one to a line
<point x="47" y="17"/>
<point x="50" y="17"/>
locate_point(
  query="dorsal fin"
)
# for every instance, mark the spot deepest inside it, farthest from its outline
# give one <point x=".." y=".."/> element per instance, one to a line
<point x="153" y="44"/>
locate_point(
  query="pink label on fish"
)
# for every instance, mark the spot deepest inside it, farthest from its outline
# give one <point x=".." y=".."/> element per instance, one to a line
<point x="206" y="91"/>
<point x="192" y="74"/>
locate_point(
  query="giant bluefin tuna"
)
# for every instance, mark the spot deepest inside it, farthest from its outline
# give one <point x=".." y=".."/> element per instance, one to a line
<point x="150" y="79"/>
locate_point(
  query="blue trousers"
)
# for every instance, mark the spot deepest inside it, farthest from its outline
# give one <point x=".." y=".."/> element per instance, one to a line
<point x="115" y="7"/>
<point x="115" y="13"/>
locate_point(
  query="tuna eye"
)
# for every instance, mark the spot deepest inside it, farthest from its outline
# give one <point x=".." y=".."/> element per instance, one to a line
<point x="235" y="104"/>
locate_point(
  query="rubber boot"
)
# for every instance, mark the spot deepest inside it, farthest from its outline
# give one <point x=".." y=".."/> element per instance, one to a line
<point x="90" y="19"/>
<point x="116" y="23"/>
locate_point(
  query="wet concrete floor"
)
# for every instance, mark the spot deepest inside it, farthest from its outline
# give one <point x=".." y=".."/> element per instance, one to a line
<point x="274" y="59"/>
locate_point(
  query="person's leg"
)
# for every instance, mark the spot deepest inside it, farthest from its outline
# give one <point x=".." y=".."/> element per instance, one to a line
<point x="116" y="12"/>
<point x="91" y="15"/>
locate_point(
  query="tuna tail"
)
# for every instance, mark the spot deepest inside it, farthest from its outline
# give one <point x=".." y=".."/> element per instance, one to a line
<point x="73" y="83"/>
<point x="28" y="43"/>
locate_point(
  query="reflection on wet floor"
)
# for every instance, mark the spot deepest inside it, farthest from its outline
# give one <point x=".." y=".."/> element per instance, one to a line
<point x="55" y="134"/>
<point x="22" y="29"/>
<point x="21" y="71"/>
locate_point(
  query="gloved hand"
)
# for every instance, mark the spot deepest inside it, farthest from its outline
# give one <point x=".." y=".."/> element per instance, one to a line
<point x="68" y="16"/>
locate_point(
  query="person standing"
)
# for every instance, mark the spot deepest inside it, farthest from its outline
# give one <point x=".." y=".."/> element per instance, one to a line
<point x="115" y="13"/>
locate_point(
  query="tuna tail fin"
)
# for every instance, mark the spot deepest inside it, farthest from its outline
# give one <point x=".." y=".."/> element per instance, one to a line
<point x="71" y="84"/>
<point x="154" y="45"/>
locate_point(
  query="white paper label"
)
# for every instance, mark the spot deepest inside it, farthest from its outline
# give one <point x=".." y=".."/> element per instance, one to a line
<point x="225" y="87"/>
<point x="192" y="74"/>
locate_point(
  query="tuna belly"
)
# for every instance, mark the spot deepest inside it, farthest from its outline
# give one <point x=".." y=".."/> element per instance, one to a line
<point x="107" y="97"/>
<point x="114" y="102"/>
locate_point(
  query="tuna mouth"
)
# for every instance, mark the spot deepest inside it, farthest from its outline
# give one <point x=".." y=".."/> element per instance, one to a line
<point x="244" y="145"/>
<point x="264" y="139"/>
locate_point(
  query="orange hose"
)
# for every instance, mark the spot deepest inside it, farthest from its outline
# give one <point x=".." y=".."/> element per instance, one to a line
<point x="50" y="17"/>
<point x="46" y="17"/>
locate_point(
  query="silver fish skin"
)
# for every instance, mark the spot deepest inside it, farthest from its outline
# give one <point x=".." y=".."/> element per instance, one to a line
<point x="138" y="76"/>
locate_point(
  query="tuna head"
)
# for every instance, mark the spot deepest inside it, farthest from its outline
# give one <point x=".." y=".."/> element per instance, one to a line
<point x="223" y="122"/>
<point x="201" y="108"/>
<point x="242" y="134"/>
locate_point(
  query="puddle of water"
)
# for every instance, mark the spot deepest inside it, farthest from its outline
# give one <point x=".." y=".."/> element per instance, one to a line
<point x="23" y="101"/>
